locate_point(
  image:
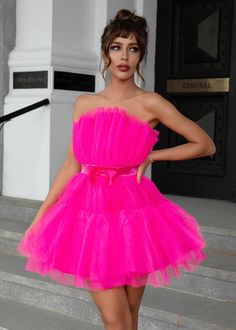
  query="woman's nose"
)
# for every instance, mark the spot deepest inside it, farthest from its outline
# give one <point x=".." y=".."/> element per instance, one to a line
<point x="124" y="55"/>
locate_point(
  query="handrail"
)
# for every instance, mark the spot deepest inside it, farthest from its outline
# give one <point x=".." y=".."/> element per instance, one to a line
<point x="9" y="116"/>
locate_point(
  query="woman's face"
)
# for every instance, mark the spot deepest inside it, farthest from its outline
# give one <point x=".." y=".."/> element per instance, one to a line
<point x="125" y="55"/>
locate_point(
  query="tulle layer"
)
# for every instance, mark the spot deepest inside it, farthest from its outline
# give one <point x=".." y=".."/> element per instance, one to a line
<point x="137" y="246"/>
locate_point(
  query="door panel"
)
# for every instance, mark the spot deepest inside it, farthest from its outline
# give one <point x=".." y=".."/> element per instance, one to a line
<point x="196" y="71"/>
<point x="201" y="38"/>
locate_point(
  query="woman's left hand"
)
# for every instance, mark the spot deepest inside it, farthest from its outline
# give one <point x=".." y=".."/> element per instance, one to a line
<point x="142" y="168"/>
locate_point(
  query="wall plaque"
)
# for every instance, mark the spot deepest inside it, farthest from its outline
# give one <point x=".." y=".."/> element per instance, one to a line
<point x="74" y="81"/>
<point x="30" y="79"/>
<point x="208" y="85"/>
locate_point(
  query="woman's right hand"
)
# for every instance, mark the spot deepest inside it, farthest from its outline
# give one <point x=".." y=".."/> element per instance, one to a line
<point x="35" y="220"/>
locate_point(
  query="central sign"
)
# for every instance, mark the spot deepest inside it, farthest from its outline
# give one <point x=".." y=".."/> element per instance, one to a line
<point x="208" y="85"/>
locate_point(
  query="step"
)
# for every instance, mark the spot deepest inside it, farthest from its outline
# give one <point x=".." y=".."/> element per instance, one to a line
<point x="77" y="303"/>
<point x="162" y="308"/>
<point x="221" y="239"/>
<point x="18" y="208"/>
<point x="19" y="316"/>
<point x="11" y="231"/>
<point x="217" y="219"/>
<point x="215" y="277"/>
<point x="209" y="212"/>
<point x="188" y="310"/>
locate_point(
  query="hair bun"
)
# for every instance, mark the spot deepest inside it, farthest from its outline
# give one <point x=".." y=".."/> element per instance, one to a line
<point x="124" y="14"/>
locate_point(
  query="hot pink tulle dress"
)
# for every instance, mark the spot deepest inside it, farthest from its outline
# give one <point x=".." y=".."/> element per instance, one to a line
<point x="106" y="230"/>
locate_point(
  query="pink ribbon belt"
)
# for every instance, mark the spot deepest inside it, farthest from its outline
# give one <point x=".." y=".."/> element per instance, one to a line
<point x="110" y="172"/>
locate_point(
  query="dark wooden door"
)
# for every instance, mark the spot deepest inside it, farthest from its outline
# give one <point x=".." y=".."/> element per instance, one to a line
<point x="196" y="71"/>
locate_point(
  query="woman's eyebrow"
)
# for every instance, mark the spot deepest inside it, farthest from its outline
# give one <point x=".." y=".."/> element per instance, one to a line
<point x="119" y="43"/>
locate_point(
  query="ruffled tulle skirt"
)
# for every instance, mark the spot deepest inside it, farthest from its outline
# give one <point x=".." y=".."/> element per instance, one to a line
<point x="102" y="236"/>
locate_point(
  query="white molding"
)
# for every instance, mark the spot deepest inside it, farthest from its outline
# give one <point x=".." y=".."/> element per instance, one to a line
<point x="21" y="57"/>
<point x="86" y="60"/>
<point x="26" y="57"/>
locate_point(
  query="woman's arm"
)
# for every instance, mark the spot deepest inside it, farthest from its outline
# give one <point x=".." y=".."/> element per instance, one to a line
<point x="70" y="167"/>
<point x="199" y="142"/>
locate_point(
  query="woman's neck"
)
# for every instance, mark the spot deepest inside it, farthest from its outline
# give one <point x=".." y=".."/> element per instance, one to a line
<point x="121" y="89"/>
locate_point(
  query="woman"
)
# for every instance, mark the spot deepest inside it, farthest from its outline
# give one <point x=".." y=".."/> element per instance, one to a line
<point x="104" y="225"/>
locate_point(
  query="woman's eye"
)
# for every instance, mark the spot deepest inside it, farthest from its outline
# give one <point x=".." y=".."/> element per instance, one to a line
<point x="134" y="49"/>
<point x="115" y="47"/>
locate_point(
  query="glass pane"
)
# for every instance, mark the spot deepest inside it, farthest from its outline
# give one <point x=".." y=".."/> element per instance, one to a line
<point x="208" y="31"/>
<point x="200" y="34"/>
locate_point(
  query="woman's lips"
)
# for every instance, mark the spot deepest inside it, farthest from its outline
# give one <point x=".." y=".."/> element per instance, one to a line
<point x="123" y="67"/>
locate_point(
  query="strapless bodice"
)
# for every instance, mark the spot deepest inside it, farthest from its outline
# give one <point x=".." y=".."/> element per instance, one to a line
<point x="107" y="136"/>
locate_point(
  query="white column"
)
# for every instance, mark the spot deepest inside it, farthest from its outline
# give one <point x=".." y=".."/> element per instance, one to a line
<point x="149" y="10"/>
<point x="26" y="145"/>
<point x="7" y="42"/>
<point x="52" y="35"/>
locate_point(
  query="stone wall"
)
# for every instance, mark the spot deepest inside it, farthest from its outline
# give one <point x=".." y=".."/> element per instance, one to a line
<point x="7" y="42"/>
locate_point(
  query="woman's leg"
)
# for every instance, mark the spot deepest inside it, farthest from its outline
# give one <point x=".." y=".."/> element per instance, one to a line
<point x="134" y="295"/>
<point x="114" y="308"/>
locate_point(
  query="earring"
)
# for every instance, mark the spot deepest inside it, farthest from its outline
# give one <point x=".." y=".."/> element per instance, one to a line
<point x="137" y="75"/>
<point x="104" y="71"/>
<point x="137" y="79"/>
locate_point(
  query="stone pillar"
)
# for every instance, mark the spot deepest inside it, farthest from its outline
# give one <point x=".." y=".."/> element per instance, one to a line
<point x="55" y="57"/>
<point x="7" y="42"/>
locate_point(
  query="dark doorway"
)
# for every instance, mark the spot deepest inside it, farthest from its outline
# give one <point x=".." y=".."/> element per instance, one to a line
<point x="196" y="71"/>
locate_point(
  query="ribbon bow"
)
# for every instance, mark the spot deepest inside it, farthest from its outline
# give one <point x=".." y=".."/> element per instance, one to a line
<point x="99" y="170"/>
<point x="110" y="172"/>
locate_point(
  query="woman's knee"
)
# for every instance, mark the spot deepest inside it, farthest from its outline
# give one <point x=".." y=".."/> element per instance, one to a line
<point x="123" y="322"/>
<point x="114" y="308"/>
<point x="116" y="315"/>
<point x="134" y="296"/>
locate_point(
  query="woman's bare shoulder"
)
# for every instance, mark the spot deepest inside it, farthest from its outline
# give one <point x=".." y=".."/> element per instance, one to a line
<point x="88" y="100"/>
<point x="83" y="103"/>
<point x="150" y="97"/>
<point x="159" y="106"/>
<point x="83" y="99"/>
<point x="152" y="101"/>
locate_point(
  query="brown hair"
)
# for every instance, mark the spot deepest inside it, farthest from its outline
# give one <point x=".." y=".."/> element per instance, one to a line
<point x="123" y="25"/>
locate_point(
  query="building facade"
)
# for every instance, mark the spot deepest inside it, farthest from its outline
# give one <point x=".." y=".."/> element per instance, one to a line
<point x="51" y="50"/>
